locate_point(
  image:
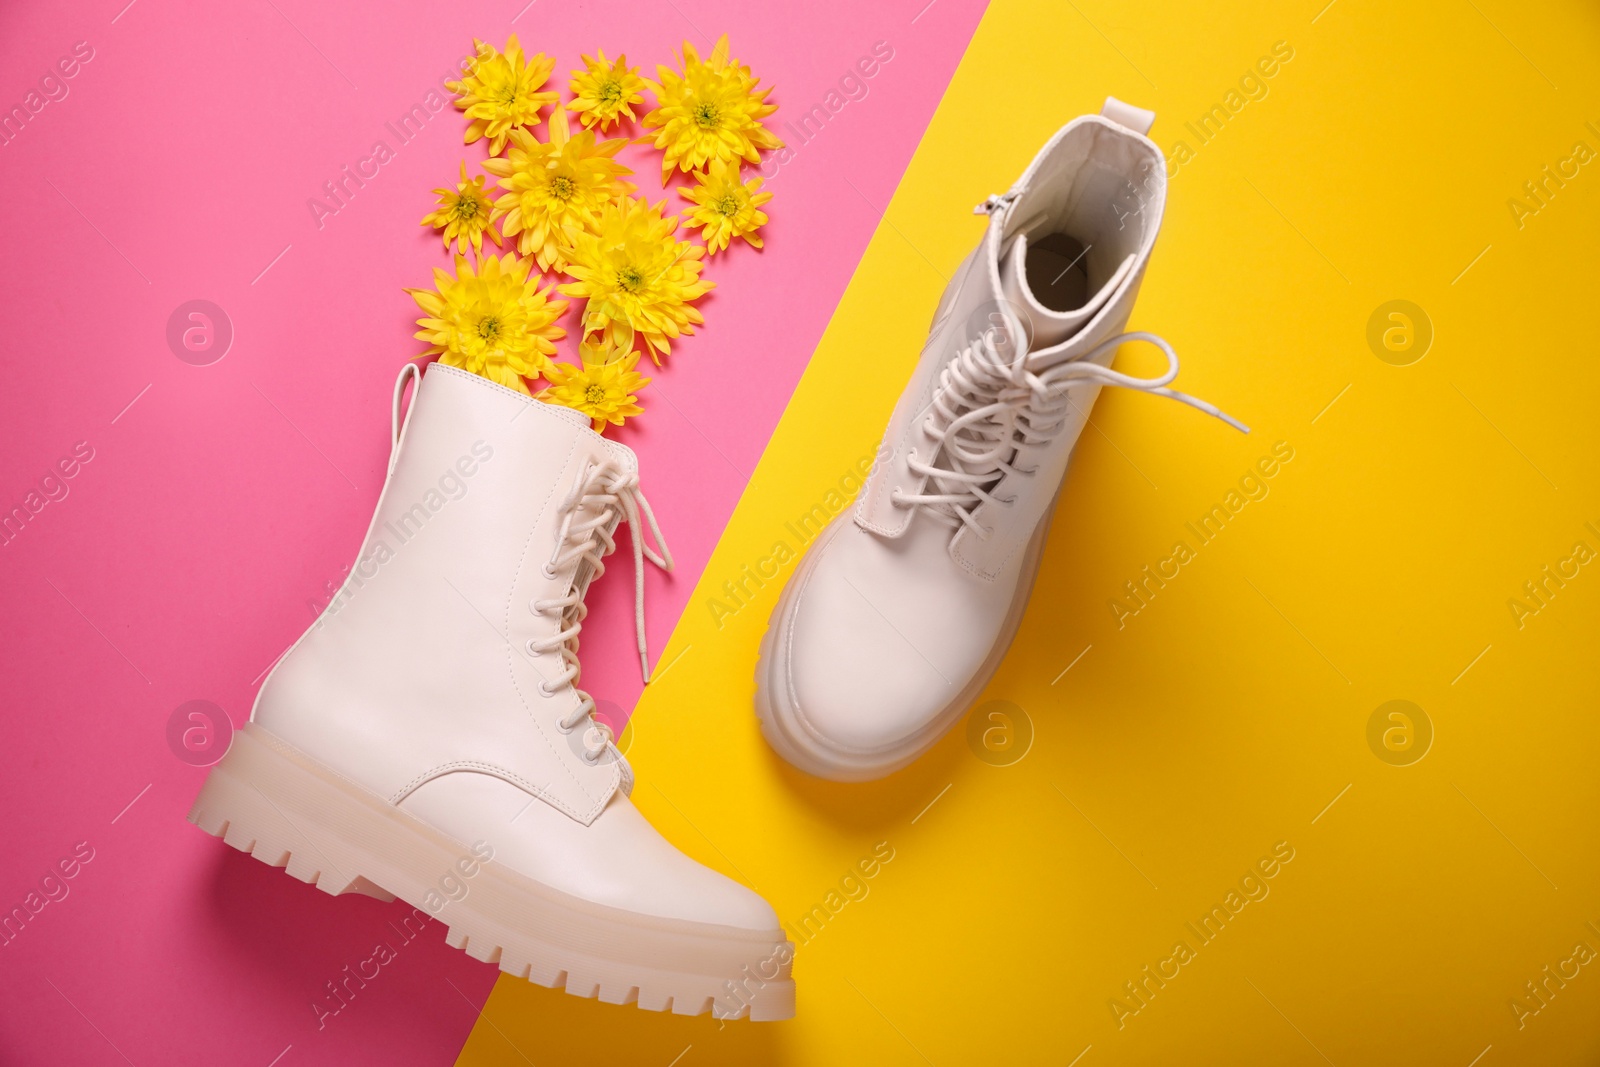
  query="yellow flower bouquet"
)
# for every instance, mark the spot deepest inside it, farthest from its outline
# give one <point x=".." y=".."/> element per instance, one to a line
<point x="562" y="206"/>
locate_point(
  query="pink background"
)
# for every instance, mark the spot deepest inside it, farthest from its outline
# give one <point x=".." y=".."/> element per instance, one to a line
<point x="181" y="562"/>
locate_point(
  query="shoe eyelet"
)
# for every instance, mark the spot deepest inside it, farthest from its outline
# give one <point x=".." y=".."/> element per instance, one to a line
<point x="533" y="651"/>
<point x="548" y="571"/>
<point x="533" y="606"/>
<point x="545" y="690"/>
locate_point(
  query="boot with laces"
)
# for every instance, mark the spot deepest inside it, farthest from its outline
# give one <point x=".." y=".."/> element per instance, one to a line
<point x="426" y="738"/>
<point x="903" y="607"/>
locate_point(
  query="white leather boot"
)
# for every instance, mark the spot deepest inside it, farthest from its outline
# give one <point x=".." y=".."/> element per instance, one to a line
<point x="900" y="612"/>
<point x="424" y="739"/>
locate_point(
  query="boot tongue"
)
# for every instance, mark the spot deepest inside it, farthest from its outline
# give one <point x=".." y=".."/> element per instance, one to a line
<point x="1047" y="286"/>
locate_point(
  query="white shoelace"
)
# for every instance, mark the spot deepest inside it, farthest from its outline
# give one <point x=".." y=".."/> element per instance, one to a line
<point x="613" y="495"/>
<point x="986" y="408"/>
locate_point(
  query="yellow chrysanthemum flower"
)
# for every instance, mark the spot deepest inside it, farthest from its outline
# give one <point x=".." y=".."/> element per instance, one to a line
<point x="605" y="333"/>
<point x="603" y="391"/>
<point x="492" y="321"/>
<point x="711" y="111"/>
<point x="501" y="92"/>
<point x="555" y="189"/>
<point x="726" y="207"/>
<point x="604" y="91"/>
<point x="464" y="213"/>
<point x="633" y="266"/>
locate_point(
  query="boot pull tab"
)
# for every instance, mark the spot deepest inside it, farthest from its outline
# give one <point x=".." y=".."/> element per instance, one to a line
<point x="1136" y="119"/>
<point x="396" y="425"/>
<point x="997" y="202"/>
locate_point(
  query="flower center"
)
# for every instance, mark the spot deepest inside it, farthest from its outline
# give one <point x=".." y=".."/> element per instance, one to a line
<point x="466" y="208"/>
<point x="610" y="91"/>
<point x="507" y="95"/>
<point x="707" y="117"/>
<point x="489" y="328"/>
<point x="595" y="394"/>
<point x="630" y="279"/>
<point x="726" y="205"/>
<point x="562" y="187"/>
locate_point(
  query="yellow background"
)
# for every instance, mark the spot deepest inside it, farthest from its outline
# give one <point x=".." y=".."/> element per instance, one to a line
<point x="1230" y="712"/>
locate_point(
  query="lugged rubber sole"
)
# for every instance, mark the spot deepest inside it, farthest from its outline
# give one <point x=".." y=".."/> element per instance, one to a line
<point x="287" y="810"/>
<point x="789" y="736"/>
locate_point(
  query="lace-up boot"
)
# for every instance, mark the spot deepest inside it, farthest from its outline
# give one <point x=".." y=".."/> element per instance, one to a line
<point x="903" y="607"/>
<point x="426" y="738"/>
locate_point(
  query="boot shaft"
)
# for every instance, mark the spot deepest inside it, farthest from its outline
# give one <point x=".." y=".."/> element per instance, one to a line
<point x="424" y="661"/>
<point x="1104" y="182"/>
